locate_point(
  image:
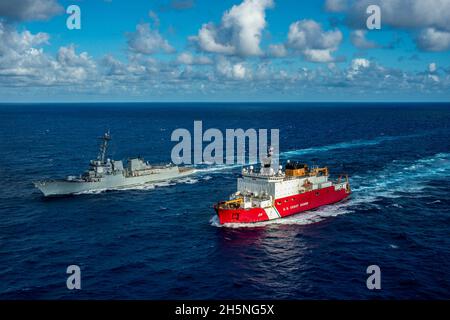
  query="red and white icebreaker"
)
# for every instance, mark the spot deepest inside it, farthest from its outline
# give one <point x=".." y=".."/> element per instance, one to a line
<point x="273" y="193"/>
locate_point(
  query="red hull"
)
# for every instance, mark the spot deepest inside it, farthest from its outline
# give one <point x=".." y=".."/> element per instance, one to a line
<point x="285" y="206"/>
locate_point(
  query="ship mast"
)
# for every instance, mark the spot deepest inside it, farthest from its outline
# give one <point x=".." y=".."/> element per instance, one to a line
<point x="103" y="147"/>
<point x="266" y="162"/>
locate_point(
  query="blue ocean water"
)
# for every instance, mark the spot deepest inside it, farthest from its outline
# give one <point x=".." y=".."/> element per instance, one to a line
<point x="162" y="241"/>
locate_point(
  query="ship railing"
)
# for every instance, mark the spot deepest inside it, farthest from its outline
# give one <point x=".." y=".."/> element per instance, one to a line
<point x="259" y="175"/>
<point x="162" y="165"/>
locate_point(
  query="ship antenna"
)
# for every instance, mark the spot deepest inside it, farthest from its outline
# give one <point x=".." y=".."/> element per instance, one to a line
<point x="104" y="146"/>
<point x="269" y="152"/>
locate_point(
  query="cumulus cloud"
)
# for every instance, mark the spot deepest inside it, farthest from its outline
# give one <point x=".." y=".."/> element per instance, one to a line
<point x="21" y="52"/>
<point x="67" y="57"/>
<point x="113" y="67"/>
<point x="23" y="61"/>
<point x="369" y="75"/>
<point x="28" y="10"/>
<point x="277" y="50"/>
<point x="13" y="42"/>
<point x="356" y="67"/>
<point x="229" y="70"/>
<point x="189" y="59"/>
<point x="429" y="18"/>
<point x="147" y="41"/>
<point x="239" y="71"/>
<point x="73" y="67"/>
<point x="359" y="63"/>
<point x="431" y="39"/>
<point x="239" y="32"/>
<point x="399" y="13"/>
<point x="316" y="45"/>
<point x="358" y="39"/>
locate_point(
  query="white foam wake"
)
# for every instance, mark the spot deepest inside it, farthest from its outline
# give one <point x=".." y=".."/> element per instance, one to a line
<point x="211" y="168"/>
<point x="217" y="168"/>
<point x="345" y="145"/>
<point x="402" y="177"/>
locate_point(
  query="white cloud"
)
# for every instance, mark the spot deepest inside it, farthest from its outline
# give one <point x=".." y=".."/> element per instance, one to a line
<point x="67" y="57"/>
<point x="316" y="55"/>
<point x="358" y="39"/>
<point x="208" y="40"/>
<point x="356" y="67"/>
<point x="227" y="69"/>
<point x="189" y="59"/>
<point x="401" y="13"/>
<point x="431" y="39"/>
<point x="113" y="66"/>
<point x="239" y="32"/>
<point x="308" y="38"/>
<point x="185" y="58"/>
<point x="28" y="10"/>
<point x="21" y="52"/>
<point x="432" y="67"/>
<point x="147" y="41"/>
<point x="429" y="18"/>
<point x="13" y="41"/>
<point x="308" y="34"/>
<point x="239" y="71"/>
<point x="360" y="63"/>
<point x="23" y="61"/>
<point x="73" y="67"/>
<point x="277" y="50"/>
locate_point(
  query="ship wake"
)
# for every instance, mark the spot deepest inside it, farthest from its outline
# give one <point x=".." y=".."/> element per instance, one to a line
<point x="354" y="144"/>
<point x="148" y="186"/>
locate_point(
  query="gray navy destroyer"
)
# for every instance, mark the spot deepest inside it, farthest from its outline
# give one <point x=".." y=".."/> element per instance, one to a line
<point x="106" y="174"/>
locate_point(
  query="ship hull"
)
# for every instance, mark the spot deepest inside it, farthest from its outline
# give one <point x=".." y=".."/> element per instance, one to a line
<point x="283" y="207"/>
<point x="110" y="182"/>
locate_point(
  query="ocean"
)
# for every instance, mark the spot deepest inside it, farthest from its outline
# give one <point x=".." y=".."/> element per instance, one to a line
<point x="162" y="241"/>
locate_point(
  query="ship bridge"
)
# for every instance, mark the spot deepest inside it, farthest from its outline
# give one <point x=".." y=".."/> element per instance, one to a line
<point x="270" y="183"/>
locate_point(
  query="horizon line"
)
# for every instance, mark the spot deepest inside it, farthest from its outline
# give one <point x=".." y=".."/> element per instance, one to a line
<point x="222" y="102"/>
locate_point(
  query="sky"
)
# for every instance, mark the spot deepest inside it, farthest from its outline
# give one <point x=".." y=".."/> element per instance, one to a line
<point x="210" y="50"/>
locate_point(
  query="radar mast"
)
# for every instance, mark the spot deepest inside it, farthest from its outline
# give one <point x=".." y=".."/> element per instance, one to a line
<point x="103" y="147"/>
